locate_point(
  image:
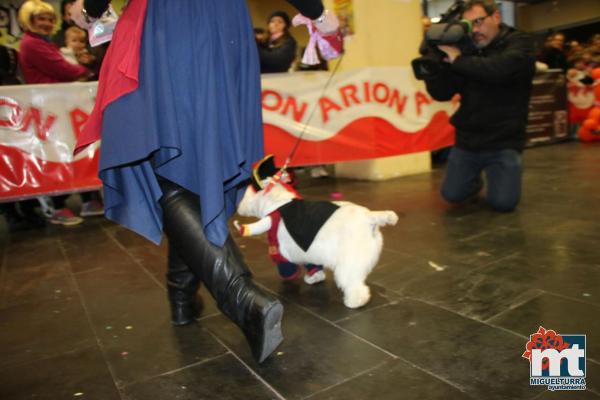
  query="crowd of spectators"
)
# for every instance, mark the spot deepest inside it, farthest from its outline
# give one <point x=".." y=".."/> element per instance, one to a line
<point x="573" y="57"/>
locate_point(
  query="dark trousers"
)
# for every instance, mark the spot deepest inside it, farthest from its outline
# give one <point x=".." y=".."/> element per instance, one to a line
<point x="61" y="201"/>
<point x="503" y="171"/>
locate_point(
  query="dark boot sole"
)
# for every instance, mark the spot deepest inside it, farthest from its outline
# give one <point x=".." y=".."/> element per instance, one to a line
<point x="272" y="331"/>
<point x="183" y="322"/>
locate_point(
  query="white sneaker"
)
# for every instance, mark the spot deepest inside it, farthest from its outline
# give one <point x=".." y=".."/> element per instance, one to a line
<point x="317" y="277"/>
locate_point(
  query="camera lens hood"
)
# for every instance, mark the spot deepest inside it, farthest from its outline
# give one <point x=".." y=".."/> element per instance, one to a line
<point x="448" y="33"/>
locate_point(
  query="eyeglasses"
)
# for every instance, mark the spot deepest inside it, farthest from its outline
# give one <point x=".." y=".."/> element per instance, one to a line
<point x="479" y="21"/>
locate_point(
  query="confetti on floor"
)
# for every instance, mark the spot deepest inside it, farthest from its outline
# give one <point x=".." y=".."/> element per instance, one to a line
<point x="436" y="266"/>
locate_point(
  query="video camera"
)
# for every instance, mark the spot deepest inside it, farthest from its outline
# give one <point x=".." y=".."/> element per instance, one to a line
<point x="451" y="30"/>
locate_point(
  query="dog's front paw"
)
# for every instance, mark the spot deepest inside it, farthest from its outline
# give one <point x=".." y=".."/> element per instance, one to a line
<point x="357" y="296"/>
<point x="241" y="228"/>
<point x="392" y="218"/>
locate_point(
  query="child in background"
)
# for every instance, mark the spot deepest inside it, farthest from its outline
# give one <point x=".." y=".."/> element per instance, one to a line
<point x="75" y="50"/>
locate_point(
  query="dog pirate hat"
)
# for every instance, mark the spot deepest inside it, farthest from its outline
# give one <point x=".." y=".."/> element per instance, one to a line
<point x="262" y="170"/>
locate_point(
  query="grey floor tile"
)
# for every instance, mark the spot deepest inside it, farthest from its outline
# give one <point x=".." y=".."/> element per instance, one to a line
<point x="29" y="332"/>
<point x="23" y="288"/>
<point x="563" y="315"/>
<point x="130" y="315"/>
<point x="467" y="353"/>
<point x="77" y="374"/>
<point x="314" y="355"/>
<point x="220" y="378"/>
<point x="392" y="380"/>
<point x="550" y="274"/>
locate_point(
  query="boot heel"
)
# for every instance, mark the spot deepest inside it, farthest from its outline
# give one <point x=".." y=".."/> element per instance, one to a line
<point x="182" y="288"/>
<point x="183" y="313"/>
<point x="272" y="337"/>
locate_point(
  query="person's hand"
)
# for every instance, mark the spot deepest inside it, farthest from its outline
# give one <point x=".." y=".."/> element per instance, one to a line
<point x="327" y="23"/>
<point x="85" y="58"/>
<point x="451" y="51"/>
<point x="76" y="13"/>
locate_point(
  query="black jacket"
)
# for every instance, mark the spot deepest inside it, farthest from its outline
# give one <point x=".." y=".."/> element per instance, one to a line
<point x="277" y="56"/>
<point x="495" y="85"/>
<point x="554" y="58"/>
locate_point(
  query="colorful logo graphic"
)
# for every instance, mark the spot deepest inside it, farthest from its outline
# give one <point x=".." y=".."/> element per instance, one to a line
<point x="556" y="361"/>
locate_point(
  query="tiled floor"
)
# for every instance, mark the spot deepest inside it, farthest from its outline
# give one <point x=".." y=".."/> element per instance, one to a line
<point x="457" y="292"/>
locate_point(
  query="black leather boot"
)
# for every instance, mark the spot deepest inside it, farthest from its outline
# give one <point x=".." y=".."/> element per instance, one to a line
<point x="182" y="286"/>
<point x="223" y="271"/>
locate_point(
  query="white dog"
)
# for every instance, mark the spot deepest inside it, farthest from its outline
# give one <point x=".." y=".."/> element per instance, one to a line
<point x="349" y="241"/>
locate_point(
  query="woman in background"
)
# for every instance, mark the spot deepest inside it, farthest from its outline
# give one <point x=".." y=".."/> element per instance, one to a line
<point x="42" y="62"/>
<point x="39" y="58"/>
<point x="278" y="52"/>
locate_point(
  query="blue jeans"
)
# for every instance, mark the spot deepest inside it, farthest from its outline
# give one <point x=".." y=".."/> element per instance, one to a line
<point x="503" y="170"/>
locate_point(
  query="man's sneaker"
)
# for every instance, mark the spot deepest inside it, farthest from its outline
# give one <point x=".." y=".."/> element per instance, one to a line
<point x="316" y="277"/>
<point x="91" y="208"/>
<point x="64" y="216"/>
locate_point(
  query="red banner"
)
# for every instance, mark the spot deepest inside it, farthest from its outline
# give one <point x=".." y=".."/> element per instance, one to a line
<point x="363" y="114"/>
<point x="365" y="138"/>
<point x="38" y="126"/>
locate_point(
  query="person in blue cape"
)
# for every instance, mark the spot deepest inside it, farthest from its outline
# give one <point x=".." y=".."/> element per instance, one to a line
<point x="179" y="142"/>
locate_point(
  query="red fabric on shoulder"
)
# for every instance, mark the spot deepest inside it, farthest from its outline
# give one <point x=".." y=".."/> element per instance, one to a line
<point x="119" y="73"/>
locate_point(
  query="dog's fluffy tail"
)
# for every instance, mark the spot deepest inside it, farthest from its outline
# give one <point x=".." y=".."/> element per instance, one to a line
<point x="383" y="218"/>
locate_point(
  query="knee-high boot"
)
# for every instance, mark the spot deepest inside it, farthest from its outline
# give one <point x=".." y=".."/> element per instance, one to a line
<point x="223" y="271"/>
<point x="182" y="288"/>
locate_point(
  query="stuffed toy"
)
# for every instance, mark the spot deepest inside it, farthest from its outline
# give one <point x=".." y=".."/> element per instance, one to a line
<point x="341" y="236"/>
<point x="590" y="128"/>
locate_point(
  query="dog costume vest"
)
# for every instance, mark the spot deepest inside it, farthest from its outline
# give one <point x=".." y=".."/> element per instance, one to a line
<point x="303" y="220"/>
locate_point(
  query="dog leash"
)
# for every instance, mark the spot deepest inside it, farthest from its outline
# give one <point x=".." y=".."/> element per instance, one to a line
<point x="279" y="174"/>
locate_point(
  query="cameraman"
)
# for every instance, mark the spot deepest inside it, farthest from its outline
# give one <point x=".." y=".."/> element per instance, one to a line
<point x="494" y="81"/>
